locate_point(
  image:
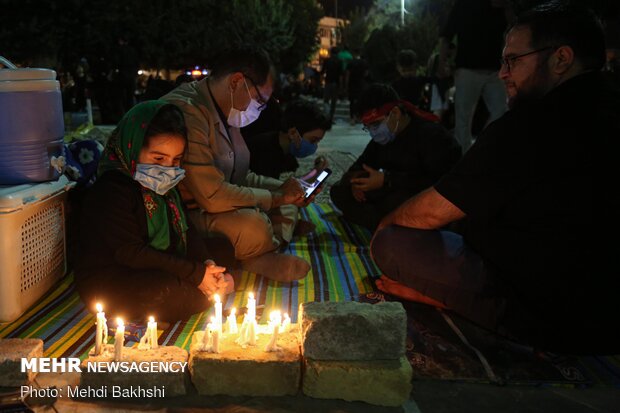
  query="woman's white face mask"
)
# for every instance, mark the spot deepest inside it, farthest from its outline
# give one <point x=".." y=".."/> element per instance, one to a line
<point x="240" y="118"/>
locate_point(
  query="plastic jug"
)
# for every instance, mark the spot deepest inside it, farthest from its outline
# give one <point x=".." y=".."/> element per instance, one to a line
<point x="31" y="125"/>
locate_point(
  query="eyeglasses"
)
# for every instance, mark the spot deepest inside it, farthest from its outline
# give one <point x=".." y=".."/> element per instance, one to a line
<point x="509" y="61"/>
<point x="261" y="101"/>
<point x="372" y="126"/>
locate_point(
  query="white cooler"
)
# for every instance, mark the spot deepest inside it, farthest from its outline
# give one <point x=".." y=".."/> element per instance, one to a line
<point x="32" y="243"/>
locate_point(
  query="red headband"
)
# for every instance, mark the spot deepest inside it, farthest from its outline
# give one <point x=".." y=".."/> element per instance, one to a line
<point x="372" y="115"/>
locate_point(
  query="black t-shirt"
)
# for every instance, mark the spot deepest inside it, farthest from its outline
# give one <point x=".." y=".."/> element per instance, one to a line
<point x="267" y="157"/>
<point x="539" y="188"/>
<point x="479" y="28"/>
<point x="332" y="68"/>
<point x="418" y="156"/>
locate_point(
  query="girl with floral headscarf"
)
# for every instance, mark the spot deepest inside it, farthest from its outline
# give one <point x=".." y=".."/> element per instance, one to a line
<point x="138" y="255"/>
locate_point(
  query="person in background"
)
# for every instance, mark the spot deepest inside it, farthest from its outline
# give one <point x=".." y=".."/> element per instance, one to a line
<point x="356" y="81"/>
<point x="138" y="253"/>
<point x="332" y="73"/>
<point x="537" y="196"/>
<point x="408" y="152"/>
<point x="302" y="127"/>
<point x="409" y="85"/>
<point x="440" y="84"/>
<point x="478" y="26"/>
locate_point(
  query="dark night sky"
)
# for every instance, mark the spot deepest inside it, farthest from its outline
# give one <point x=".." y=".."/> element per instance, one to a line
<point x="344" y="6"/>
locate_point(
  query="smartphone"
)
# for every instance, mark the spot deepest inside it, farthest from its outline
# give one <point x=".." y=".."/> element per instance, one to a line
<point x="311" y="188"/>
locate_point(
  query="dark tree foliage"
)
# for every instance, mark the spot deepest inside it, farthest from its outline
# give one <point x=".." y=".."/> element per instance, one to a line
<point x="163" y="33"/>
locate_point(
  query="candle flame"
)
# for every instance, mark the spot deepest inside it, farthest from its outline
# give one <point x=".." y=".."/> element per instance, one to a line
<point x="216" y="297"/>
<point x="99" y="307"/>
<point x="274" y="315"/>
<point x="212" y="319"/>
<point x="286" y="315"/>
<point x="233" y="311"/>
<point x="151" y="319"/>
<point x="251" y="295"/>
<point x="119" y="322"/>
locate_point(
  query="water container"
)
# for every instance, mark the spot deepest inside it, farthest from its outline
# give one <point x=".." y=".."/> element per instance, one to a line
<point x="31" y="126"/>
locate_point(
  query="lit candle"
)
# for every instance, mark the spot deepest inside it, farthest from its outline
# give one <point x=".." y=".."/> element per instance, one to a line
<point x="214" y="328"/>
<point x="206" y="339"/>
<point x="119" y="339"/>
<point x="251" y="307"/>
<point x="275" y="322"/>
<point x="231" y="321"/>
<point x="151" y="331"/>
<point x="286" y="324"/>
<point x="251" y="333"/>
<point x="101" y="334"/>
<point x="218" y="312"/>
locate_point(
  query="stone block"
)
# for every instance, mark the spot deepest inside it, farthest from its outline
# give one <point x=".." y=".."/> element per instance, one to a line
<point x="249" y="371"/>
<point x="164" y="384"/>
<point x="353" y="331"/>
<point x="383" y="383"/>
<point x="12" y="350"/>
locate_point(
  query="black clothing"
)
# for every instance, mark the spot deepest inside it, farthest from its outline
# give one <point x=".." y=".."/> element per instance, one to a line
<point x="332" y="69"/>
<point x="411" y="88"/>
<point x="415" y="160"/>
<point x="116" y="264"/>
<point x="267" y="157"/>
<point x="479" y="28"/>
<point x="540" y="192"/>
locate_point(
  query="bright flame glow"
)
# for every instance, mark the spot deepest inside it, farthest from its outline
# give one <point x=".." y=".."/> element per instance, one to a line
<point x="99" y="307"/>
<point x="274" y="316"/>
<point x="119" y="322"/>
<point x="216" y="297"/>
<point x="233" y="311"/>
<point x="251" y="295"/>
<point x="151" y="319"/>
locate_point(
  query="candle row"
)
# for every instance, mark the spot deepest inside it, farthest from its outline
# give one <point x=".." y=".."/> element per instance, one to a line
<point x="148" y="341"/>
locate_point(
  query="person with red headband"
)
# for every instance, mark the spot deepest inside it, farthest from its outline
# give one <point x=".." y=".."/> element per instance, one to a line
<point x="408" y="152"/>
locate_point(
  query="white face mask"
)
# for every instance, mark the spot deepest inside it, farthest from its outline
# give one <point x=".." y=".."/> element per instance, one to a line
<point x="240" y="118"/>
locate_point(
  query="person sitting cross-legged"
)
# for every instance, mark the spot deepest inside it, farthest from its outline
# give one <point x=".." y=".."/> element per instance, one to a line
<point x="408" y="152"/>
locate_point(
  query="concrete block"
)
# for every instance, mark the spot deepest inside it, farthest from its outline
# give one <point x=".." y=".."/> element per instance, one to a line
<point x="383" y="383"/>
<point x="353" y="331"/>
<point x="236" y="371"/>
<point x="162" y="383"/>
<point x="12" y="350"/>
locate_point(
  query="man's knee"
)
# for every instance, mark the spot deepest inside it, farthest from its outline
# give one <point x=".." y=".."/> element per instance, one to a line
<point x="395" y="248"/>
<point x="254" y="235"/>
<point x="383" y="246"/>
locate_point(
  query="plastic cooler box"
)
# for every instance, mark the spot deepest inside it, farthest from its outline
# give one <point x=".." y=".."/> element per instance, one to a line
<point x="32" y="243"/>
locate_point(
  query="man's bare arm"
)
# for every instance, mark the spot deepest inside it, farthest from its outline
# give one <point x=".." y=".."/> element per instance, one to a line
<point x="427" y="210"/>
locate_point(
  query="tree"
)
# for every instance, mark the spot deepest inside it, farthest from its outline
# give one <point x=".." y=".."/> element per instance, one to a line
<point x="355" y="31"/>
<point x="165" y="33"/>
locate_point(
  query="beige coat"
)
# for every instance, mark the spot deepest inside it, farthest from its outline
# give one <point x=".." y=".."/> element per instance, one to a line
<point x="216" y="160"/>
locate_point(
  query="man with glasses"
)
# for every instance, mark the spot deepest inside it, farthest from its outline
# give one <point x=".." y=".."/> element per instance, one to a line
<point x="538" y="198"/>
<point x="257" y="214"/>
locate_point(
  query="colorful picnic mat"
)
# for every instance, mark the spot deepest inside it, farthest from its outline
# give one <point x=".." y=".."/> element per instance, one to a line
<point x="341" y="266"/>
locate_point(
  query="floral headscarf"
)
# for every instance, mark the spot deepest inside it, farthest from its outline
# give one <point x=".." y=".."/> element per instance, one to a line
<point x="121" y="153"/>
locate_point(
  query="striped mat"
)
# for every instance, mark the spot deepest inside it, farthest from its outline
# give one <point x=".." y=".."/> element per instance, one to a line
<point x="337" y="251"/>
